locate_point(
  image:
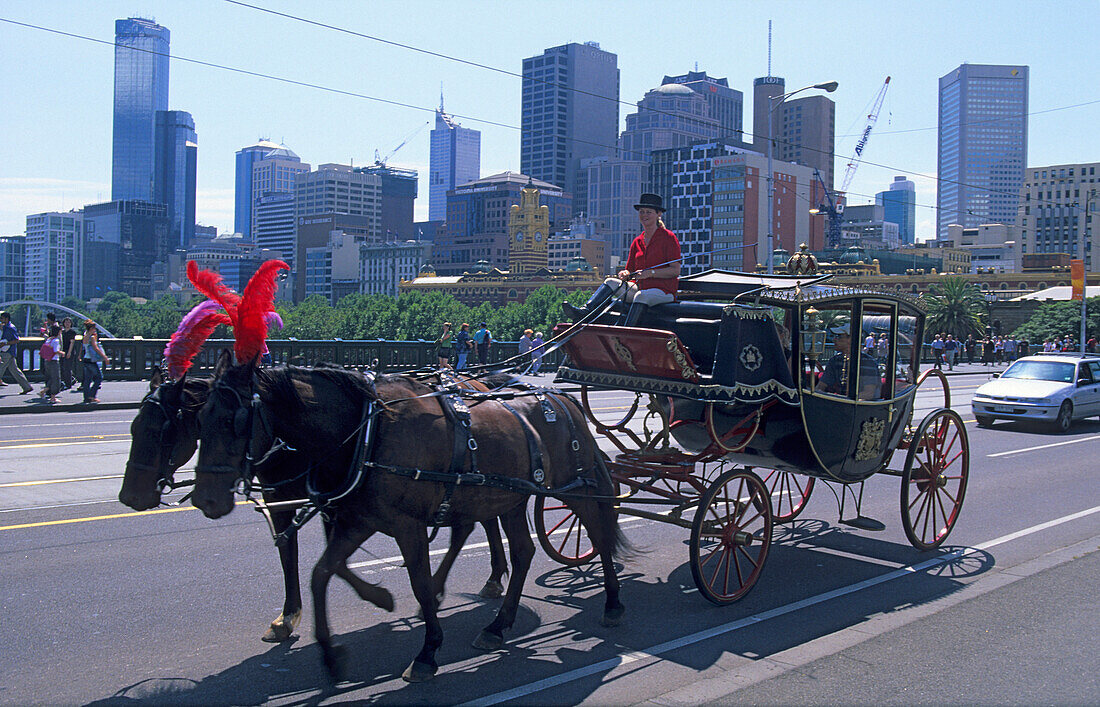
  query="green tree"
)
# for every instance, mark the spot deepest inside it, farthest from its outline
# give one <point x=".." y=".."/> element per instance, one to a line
<point x="1057" y="319"/>
<point x="421" y="314"/>
<point x="954" y="307"/>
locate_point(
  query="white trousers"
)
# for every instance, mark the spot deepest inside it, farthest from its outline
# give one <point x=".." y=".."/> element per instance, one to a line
<point x="628" y="292"/>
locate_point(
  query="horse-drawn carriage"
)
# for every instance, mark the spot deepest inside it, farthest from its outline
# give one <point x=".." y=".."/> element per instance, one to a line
<point x="756" y="387"/>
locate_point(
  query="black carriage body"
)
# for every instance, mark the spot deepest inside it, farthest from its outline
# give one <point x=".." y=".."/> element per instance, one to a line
<point x="735" y="331"/>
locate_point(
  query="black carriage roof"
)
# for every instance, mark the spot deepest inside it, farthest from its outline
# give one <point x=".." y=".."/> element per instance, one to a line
<point x="777" y="289"/>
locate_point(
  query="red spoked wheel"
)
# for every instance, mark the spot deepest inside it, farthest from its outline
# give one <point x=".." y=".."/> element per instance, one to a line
<point x="561" y="533"/>
<point x="933" y="483"/>
<point x="789" y="493"/>
<point x="731" y="536"/>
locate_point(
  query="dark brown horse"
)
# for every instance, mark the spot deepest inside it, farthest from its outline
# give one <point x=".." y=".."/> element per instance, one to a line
<point x="319" y="412"/>
<point x="164" y="436"/>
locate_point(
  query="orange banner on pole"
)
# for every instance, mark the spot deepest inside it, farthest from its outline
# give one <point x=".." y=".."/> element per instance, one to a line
<point x="1077" y="279"/>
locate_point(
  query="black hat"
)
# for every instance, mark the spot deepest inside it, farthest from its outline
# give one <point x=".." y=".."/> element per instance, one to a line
<point x="650" y="201"/>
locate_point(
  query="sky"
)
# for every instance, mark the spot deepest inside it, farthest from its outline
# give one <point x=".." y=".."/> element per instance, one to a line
<point x="56" y="107"/>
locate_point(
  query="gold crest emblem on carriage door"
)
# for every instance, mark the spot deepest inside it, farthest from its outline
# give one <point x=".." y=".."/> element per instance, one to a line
<point x="870" y="440"/>
<point x="623" y="353"/>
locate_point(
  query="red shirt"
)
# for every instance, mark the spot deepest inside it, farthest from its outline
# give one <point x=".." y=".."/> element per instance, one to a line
<point x="662" y="249"/>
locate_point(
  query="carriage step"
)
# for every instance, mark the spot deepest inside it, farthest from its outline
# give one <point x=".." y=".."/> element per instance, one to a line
<point x="864" y="523"/>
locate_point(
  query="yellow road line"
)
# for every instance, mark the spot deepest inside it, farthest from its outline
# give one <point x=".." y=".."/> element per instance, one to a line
<point x="59" y="481"/>
<point x="61" y="444"/>
<point x="113" y="516"/>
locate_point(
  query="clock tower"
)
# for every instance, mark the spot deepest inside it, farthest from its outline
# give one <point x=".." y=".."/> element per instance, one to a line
<point x="528" y="231"/>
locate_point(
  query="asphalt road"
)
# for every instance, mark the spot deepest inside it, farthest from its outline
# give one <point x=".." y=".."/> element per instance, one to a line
<point x="104" y="605"/>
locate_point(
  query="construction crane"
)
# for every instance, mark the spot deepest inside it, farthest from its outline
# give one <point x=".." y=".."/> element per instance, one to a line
<point x="833" y="207"/>
<point x="381" y="161"/>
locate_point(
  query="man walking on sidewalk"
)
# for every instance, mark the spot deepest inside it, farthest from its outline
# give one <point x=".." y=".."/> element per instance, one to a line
<point x="8" y="337"/>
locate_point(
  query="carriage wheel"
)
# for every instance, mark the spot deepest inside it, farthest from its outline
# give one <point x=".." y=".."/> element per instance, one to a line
<point x="933" y="482"/>
<point x="730" y="536"/>
<point x="562" y="534"/>
<point x="789" y="493"/>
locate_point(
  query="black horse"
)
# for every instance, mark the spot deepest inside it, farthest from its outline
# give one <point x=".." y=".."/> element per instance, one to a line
<point x="318" y="411"/>
<point x="164" y="436"/>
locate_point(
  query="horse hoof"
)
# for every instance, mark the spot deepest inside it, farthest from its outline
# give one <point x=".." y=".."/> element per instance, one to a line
<point x="487" y="641"/>
<point x="418" y="672"/>
<point x="492" y="590"/>
<point x="384" y="600"/>
<point x="612" y="616"/>
<point x="282" y="628"/>
<point x="335" y="658"/>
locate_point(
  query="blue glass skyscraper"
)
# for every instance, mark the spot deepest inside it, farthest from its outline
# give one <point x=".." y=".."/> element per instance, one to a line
<point x="141" y="89"/>
<point x="455" y="160"/>
<point x="900" y="206"/>
<point x="176" y="173"/>
<point x="982" y="145"/>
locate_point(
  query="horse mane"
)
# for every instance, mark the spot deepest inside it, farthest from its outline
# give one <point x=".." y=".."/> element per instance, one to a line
<point x="195" y="392"/>
<point x="279" y="383"/>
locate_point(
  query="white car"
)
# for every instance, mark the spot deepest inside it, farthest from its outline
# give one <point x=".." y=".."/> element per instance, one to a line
<point x="1054" y="388"/>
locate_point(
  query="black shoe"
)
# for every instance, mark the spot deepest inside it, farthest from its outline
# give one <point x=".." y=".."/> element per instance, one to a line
<point x="573" y="312"/>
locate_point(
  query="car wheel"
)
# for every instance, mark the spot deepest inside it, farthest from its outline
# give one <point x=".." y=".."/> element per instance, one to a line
<point x="1065" y="417"/>
<point x="983" y="421"/>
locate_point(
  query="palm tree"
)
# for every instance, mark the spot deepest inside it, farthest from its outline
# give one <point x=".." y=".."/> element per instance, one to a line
<point x="955" y="306"/>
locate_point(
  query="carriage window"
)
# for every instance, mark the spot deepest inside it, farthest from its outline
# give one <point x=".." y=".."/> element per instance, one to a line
<point x="876" y="351"/>
<point x="827" y="348"/>
<point x="905" y="369"/>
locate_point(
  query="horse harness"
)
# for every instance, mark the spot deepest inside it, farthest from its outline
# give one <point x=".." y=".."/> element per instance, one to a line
<point x="165" y="470"/>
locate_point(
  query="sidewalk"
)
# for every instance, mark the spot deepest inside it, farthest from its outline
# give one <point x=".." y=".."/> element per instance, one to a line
<point x="113" y="395"/>
<point x="127" y="395"/>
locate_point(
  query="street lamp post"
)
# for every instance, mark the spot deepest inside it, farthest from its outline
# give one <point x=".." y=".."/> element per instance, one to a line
<point x="828" y="87"/>
<point x="1083" y="231"/>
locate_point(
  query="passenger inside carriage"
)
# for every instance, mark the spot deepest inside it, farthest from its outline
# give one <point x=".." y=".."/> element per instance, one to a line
<point x="835" y="377"/>
<point x="652" y="272"/>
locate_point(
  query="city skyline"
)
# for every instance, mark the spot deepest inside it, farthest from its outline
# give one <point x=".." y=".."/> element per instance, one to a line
<point x="47" y="174"/>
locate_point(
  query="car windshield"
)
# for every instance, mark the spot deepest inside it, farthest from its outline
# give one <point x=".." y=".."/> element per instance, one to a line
<point x="1041" y="370"/>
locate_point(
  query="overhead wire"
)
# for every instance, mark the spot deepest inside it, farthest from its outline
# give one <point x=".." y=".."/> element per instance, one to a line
<point x="401" y="104"/>
<point x="506" y="72"/>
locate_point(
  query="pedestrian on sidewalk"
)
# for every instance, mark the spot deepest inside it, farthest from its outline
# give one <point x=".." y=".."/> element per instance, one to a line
<point x="950" y="348"/>
<point x="483" y="338"/>
<point x="537" y="346"/>
<point x="970" y="345"/>
<point x="463" y="345"/>
<point x="525" y="345"/>
<point x="69" y="351"/>
<point x="51" y="363"/>
<point x="93" y="357"/>
<point x="937" y="352"/>
<point x="8" y="337"/>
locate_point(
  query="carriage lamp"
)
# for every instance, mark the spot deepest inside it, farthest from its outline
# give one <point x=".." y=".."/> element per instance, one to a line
<point x="813" y="335"/>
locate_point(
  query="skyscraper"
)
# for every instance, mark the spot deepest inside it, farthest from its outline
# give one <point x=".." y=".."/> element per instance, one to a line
<point x="52" y="252"/>
<point x="570" y="111"/>
<point x="982" y="145"/>
<point x="176" y="168"/>
<point x="455" y="159"/>
<point x="670" y="115"/>
<point x="275" y="175"/>
<point x="141" y="89"/>
<point x="900" y="207"/>
<point x="803" y="129"/>
<point x="726" y="104"/>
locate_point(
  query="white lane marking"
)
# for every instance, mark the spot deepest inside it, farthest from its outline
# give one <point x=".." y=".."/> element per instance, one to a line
<point x="654" y="652"/>
<point x="397" y="559"/>
<point x="1043" y="446"/>
<point x="58" y="481"/>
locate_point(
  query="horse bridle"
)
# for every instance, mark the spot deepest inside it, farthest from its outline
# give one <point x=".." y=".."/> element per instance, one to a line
<point x="244" y="425"/>
<point x="165" y="470"/>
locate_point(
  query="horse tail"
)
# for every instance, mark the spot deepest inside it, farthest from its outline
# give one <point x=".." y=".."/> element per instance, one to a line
<point x="621" y="548"/>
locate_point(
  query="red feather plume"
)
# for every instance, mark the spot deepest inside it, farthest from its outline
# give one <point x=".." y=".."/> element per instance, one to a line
<point x="189" y="338"/>
<point x="210" y="284"/>
<point x="250" y="325"/>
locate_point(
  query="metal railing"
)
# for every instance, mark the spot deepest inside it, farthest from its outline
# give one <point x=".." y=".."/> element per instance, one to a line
<point x="133" y="359"/>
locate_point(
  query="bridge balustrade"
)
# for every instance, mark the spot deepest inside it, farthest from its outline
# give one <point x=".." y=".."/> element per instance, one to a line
<point x="133" y="359"/>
